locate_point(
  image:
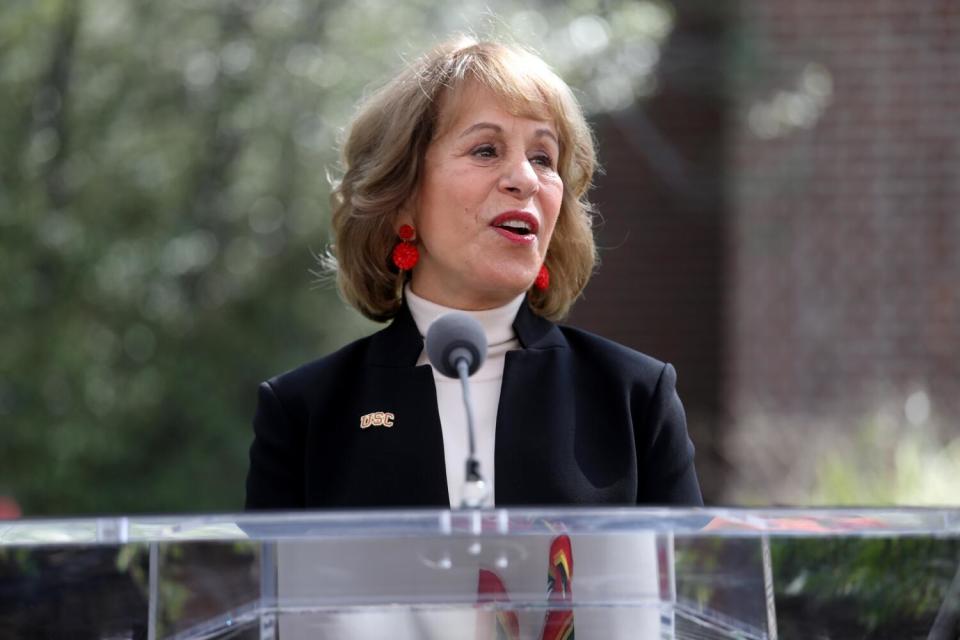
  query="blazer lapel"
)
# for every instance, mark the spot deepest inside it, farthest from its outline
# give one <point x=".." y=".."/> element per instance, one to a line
<point x="405" y="461"/>
<point x="535" y="418"/>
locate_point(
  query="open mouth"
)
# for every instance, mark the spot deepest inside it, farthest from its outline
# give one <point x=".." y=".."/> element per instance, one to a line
<point x="516" y="227"/>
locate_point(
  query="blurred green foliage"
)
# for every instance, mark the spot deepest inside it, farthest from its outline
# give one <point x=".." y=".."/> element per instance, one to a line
<point x="157" y="224"/>
<point x="879" y="582"/>
<point x="856" y="586"/>
<point x="163" y="188"/>
<point x="884" y="462"/>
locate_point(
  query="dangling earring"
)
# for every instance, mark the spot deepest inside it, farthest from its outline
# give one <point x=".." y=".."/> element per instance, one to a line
<point x="405" y="255"/>
<point x="543" y="278"/>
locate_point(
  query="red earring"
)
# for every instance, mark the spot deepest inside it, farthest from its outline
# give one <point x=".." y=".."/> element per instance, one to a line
<point x="543" y="278"/>
<point x="405" y="255"/>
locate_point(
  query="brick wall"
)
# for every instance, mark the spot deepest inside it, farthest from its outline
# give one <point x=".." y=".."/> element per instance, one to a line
<point x="782" y="222"/>
<point x="844" y="241"/>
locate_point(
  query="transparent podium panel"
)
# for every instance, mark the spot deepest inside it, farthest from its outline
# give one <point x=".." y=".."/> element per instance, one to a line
<point x="589" y="573"/>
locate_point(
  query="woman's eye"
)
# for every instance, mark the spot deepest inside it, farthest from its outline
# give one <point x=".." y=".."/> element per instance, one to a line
<point x="543" y="160"/>
<point x="485" y="151"/>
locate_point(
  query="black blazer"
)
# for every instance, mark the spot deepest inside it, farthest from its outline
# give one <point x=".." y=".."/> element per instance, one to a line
<point x="581" y="421"/>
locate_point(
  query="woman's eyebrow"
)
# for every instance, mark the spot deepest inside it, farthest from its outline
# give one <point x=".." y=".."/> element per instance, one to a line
<point x="546" y="133"/>
<point x="539" y="133"/>
<point x="481" y="125"/>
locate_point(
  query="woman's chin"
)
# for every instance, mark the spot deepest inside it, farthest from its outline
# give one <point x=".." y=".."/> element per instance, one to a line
<point x="483" y="289"/>
<point x="503" y="290"/>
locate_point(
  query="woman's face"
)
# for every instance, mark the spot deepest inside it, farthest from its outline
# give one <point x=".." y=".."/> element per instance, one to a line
<point x="487" y="205"/>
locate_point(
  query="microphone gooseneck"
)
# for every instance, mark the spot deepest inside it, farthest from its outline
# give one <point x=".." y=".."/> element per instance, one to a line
<point x="457" y="346"/>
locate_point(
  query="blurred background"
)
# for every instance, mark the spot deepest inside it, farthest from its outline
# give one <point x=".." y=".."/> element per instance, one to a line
<point x="780" y="219"/>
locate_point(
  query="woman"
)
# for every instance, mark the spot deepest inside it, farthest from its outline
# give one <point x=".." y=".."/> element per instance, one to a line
<point x="465" y="188"/>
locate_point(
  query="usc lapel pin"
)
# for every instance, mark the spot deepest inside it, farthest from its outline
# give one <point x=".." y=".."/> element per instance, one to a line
<point x="376" y="419"/>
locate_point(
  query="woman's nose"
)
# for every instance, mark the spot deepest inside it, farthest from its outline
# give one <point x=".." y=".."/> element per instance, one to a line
<point x="519" y="178"/>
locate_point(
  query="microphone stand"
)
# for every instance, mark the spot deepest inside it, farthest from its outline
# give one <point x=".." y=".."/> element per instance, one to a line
<point x="475" y="490"/>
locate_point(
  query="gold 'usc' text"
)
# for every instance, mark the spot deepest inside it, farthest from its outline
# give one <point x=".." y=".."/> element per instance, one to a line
<point x="376" y="419"/>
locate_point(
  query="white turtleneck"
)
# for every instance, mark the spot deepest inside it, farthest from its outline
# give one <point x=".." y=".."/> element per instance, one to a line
<point x="484" y="390"/>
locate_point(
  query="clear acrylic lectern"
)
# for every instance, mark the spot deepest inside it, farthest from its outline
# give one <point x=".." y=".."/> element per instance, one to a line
<point x="503" y="573"/>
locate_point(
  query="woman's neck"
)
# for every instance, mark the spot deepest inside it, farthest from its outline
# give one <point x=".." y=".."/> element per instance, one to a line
<point x="497" y="322"/>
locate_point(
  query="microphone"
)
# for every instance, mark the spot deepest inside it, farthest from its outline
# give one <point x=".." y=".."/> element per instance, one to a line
<point x="456" y="347"/>
<point x="453" y="337"/>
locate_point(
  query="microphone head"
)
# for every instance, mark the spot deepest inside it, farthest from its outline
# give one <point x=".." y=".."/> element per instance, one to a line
<point x="453" y="336"/>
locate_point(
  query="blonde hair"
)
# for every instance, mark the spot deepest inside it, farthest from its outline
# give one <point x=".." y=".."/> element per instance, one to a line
<point x="384" y="151"/>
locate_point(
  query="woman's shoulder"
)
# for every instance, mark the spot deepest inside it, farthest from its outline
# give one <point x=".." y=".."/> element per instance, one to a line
<point x="607" y="354"/>
<point x="320" y="372"/>
<point x="396" y="345"/>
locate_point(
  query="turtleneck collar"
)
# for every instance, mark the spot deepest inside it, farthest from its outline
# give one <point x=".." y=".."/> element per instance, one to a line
<point x="497" y="323"/>
<point x="400" y="344"/>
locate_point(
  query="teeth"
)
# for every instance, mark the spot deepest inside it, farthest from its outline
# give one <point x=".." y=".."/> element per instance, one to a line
<point x="518" y="225"/>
